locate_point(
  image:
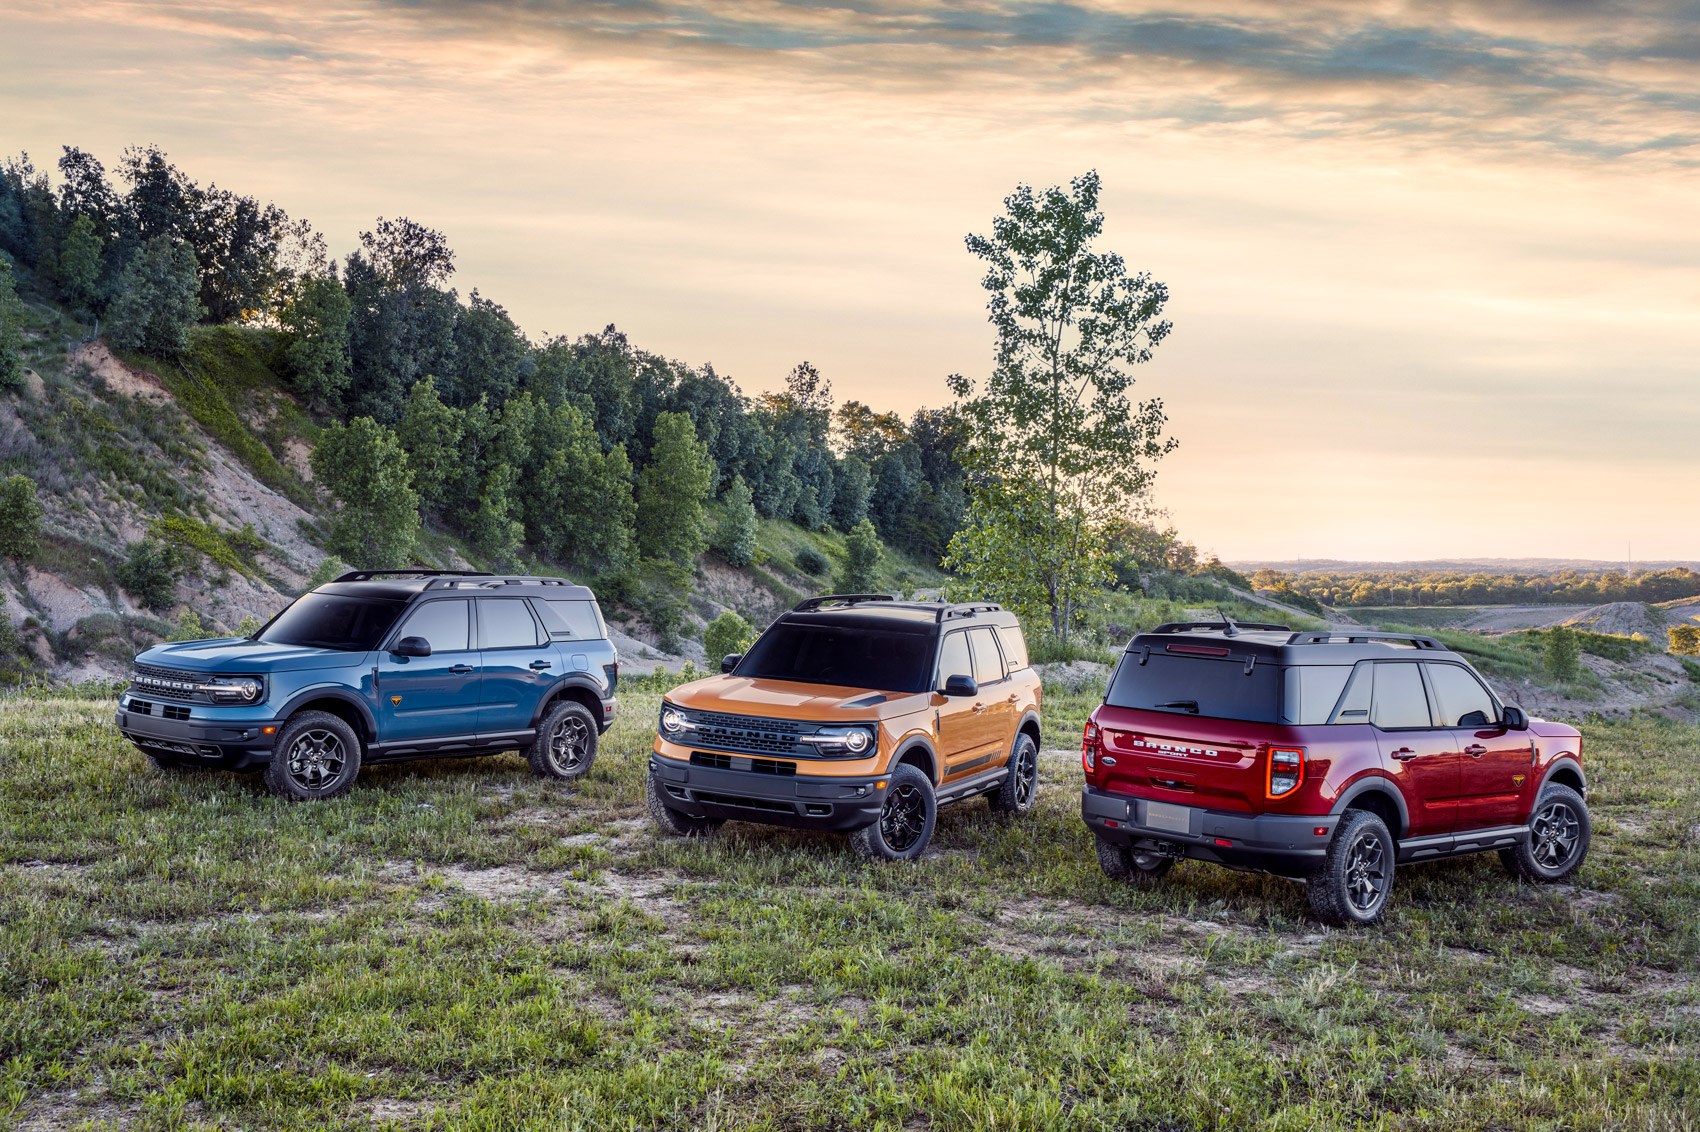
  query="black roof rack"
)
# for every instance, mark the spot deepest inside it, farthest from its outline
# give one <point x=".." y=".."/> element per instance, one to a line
<point x="412" y="571"/>
<point x="808" y="605"/>
<point x="1190" y="626"/>
<point x="490" y="581"/>
<point x="1349" y="637"/>
<point x="968" y="609"/>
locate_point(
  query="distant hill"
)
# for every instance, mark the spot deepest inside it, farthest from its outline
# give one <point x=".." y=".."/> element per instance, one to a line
<point x="1459" y="565"/>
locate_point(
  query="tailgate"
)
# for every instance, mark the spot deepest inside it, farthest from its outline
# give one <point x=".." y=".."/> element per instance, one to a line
<point x="1216" y="764"/>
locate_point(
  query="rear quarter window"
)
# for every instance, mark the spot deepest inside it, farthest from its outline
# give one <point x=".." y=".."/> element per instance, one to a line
<point x="571" y="619"/>
<point x="1310" y="691"/>
<point x="1014" y="646"/>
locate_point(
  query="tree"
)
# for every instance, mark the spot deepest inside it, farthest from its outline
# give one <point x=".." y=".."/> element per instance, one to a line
<point x="20" y="518"/>
<point x="1056" y="445"/>
<point x="1563" y="654"/>
<point x="490" y="354"/>
<point x="726" y="634"/>
<point x="862" y="554"/>
<point x="365" y="468"/>
<point x="1685" y="640"/>
<point x="580" y="507"/>
<point x="11" y="331"/>
<point x="671" y="492"/>
<point x="80" y="264"/>
<point x="735" y="537"/>
<point x="853" y="484"/>
<point x="431" y="433"/>
<point x="149" y="573"/>
<point x="315" y="321"/>
<point x="156" y="305"/>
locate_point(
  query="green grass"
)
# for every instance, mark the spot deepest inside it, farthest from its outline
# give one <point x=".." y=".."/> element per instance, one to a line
<point x="460" y="945"/>
<point x="778" y="544"/>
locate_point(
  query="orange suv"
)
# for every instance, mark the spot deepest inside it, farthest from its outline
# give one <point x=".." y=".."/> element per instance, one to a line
<point x="856" y="713"/>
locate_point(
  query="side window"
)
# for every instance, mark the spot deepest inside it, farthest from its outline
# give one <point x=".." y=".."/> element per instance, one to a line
<point x="1354" y="705"/>
<point x="1463" y="700"/>
<point x="505" y="623"/>
<point x="1399" y="697"/>
<point x="570" y="619"/>
<point x="441" y="623"/>
<point x="1014" y="647"/>
<point x="988" y="662"/>
<point x="953" y="658"/>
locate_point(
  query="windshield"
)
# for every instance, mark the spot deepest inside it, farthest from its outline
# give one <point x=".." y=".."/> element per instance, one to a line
<point x="326" y="621"/>
<point x="878" y="659"/>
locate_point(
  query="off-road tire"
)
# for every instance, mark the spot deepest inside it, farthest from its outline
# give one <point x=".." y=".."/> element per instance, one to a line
<point x="1139" y="867"/>
<point x="317" y="756"/>
<point x="1559" y="835"/>
<point x="1020" y="787"/>
<point x="565" y="746"/>
<point x="673" y="821"/>
<point x="1352" y="887"/>
<point x="906" y="821"/>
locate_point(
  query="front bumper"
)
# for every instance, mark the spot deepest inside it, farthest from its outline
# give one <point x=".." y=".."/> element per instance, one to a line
<point x="1274" y="843"/>
<point x="210" y="740"/>
<point x="824" y="802"/>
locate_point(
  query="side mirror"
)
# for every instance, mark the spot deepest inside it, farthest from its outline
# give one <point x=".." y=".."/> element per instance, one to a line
<point x="1516" y="719"/>
<point x="961" y="686"/>
<point x="730" y="661"/>
<point x="412" y="646"/>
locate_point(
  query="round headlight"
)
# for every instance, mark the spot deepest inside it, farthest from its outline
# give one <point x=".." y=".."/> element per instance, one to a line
<point x="672" y="721"/>
<point x="857" y="741"/>
<point x="247" y="689"/>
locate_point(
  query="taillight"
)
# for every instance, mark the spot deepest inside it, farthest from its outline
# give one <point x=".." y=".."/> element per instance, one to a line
<point x="1286" y="770"/>
<point x="1089" y="748"/>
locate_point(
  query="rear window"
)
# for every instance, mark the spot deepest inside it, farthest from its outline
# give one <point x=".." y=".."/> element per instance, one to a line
<point x="1198" y="685"/>
<point x="571" y="619"/>
<point x="890" y="661"/>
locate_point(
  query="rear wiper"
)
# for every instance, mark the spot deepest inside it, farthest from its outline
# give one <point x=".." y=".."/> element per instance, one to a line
<point x="1183" y="705"/>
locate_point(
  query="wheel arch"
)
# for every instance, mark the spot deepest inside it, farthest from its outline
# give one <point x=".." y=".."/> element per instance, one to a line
<point x="916" y="752"/>
<point x="1029" y="725"/>
<point x="1565" y="771"/>
<point x="580" y="690"/>
<point x="1381" y="798"/>
<point x="344" y="705"/>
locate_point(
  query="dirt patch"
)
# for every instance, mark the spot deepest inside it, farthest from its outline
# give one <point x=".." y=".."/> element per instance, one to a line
<point x="99" y="362"/>
<point x="1622" y="619"/>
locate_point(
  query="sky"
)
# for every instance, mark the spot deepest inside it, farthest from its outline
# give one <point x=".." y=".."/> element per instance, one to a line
<point x="1434" y="266"/>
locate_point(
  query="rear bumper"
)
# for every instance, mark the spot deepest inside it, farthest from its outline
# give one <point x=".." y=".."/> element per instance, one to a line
<point x="608" y="707"/>
<point x="235" y="743"/>
<point x="797" y="802"/>
<point x="1275" y="843"/>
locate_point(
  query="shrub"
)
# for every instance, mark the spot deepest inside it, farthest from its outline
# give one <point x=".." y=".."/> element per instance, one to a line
<point x="862" y="553"/>
<point x="735" y="537"/>
<point x="1562" y="655"/>
<point x="189" y="627"/>
<point x="329" y="570"/>
<point x="1685" y="640"/>
<point x="813" y="562"/>
<point x="149" y="573"/>
<point x="728" y="633"/>
<point x="20" y="518"/>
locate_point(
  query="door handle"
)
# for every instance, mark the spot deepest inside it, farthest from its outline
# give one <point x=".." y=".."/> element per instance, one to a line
<point x="539" y="665"/>
<point x="1475" y="750"/>
<point x="978" y="708"/>
<point x="460" y="669"/>
<point x="1013" y="698"/>
<point x="1404" y="754"/>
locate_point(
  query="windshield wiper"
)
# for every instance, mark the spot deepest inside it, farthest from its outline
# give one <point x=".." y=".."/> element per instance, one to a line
<point x="1183" y="705"/>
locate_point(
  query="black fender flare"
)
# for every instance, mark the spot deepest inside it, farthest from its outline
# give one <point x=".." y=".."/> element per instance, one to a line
<point x="1374" y="784"/>
<point x="574" y="680"/>
<point x="1563" y="762"/>
<point x="335" y="692"/>
<point x="916" y="743"/>
<point x="1031" y="715"/>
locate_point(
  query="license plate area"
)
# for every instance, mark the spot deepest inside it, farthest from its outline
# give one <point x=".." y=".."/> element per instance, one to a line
<point x="1171" y="819"/>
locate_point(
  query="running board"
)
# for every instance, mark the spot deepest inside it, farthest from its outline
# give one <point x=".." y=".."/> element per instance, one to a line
<point x="979" y="784"/>
<point x="1439" y="845"/>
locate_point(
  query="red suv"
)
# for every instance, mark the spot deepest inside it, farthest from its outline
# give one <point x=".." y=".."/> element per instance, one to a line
<point x="1323" y="756"/>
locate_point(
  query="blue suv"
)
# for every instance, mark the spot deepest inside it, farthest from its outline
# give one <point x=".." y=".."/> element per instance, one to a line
<point x="382" y="665"/>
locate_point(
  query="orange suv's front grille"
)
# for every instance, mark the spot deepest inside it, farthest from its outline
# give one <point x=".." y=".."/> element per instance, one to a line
<point x="747" y="734"/>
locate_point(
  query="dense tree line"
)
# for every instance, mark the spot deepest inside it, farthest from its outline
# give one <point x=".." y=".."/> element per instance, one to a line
<point x="1422" y="587"/>
<point x="588" y="450"/>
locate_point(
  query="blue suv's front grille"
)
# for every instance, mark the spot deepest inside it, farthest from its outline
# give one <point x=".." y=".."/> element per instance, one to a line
<point x="169" y="683"/>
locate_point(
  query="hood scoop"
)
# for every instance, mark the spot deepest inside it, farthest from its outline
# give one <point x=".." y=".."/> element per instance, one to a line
<point x="873" y="700"/>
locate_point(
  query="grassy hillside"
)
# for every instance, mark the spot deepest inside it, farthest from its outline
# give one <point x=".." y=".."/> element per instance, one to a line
<point x="460" y="945"/>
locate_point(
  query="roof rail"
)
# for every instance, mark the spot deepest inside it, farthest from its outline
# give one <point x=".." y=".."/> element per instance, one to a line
<point x="489" y="581"/>
<point x="810" y="604"/>
<point x="414" y="571"/>
<point x="1189" y="626"/>
<point x="1332" y="636"/>
<point x="968" y="609"/>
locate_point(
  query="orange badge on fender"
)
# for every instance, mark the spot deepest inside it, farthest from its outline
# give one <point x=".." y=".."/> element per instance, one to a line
<point x="1517" y="779"/>
<point x="397" y="700"/>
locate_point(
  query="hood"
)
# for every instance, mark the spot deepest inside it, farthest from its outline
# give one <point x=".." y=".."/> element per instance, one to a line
<point x="241" y="655"/>
<point x="1546" y="729"/>
<point x="783" y="699"/>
